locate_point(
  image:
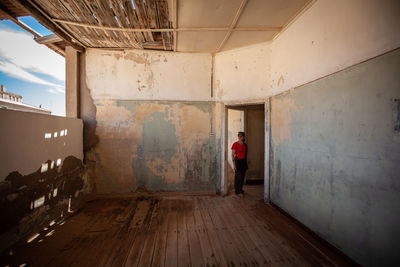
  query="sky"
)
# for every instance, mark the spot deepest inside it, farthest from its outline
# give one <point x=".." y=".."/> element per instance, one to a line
<point x="29" y="69"/>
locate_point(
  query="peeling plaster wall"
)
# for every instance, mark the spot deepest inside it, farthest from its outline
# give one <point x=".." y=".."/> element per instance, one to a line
<point x="155" y="145"/>
<point x="328" y="37"/>
<point x="142" y="75"/>
<point x="41" y="169"/>
<point x="142" y="133"/>
<point x="336" y="158"/>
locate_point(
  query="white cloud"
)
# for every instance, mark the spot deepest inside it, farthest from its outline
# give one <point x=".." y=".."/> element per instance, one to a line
<point x="56" y="90"/>
<point x="60" y="89"/>
<point x="25" y="54"/>
<point x="18" y="72"/>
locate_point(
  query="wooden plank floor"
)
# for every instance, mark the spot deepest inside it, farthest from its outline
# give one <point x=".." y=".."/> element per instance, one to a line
<point x="175" y="230"/>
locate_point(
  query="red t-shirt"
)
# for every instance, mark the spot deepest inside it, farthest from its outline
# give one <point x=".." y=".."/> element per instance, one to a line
<point x="240" y="150"/>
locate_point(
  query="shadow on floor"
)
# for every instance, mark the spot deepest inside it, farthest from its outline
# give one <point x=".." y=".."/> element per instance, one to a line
<point x="172" y="230"/>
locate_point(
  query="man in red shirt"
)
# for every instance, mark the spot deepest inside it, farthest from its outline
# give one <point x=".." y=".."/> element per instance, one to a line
<point x="239" y="159"/>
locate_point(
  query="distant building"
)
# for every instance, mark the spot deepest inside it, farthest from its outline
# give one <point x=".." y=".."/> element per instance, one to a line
<point x="13" y="101"/>
<point x="7" y="95"/>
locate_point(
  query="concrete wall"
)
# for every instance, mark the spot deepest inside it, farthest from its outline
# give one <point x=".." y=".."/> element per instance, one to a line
<point x="326" y="38"/>
<point x="25" y="145"/>
<point x="167" y="143"/>
<point x="335" y="158"/>
<point x="40" y="170"/>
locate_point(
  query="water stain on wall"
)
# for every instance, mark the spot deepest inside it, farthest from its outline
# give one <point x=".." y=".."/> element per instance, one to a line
<point x="138" y="59"/>
<point x="158" y="145"/>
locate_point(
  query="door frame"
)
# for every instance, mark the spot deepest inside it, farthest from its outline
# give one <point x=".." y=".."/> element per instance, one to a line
<point x="224" y="144"/>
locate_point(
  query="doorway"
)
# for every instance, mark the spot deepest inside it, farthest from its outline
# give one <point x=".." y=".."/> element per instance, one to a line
<point x="251" y="120"/>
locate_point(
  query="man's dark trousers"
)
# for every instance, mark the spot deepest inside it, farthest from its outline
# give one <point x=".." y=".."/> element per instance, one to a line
<point x="239" y="179"/>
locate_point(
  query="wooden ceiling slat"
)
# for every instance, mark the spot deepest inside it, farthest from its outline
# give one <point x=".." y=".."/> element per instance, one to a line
<point x="84" y="14"/>
<point x="56" y="9"/>
<point x="142" y="19"/>
<point x="152" y="14"/>
<point x="133" y="20"/>
<point x="122" y="19"/>
<point x="110" y="38"/>
<point x="102" y="23"/>
<point x="76" y="12"/>
<point x="104" y="19"/>
<point x="111" y="21"/>
<point x="162" y="14"/>
<point x="12" y="10"/>
<point x="99" y="35"/>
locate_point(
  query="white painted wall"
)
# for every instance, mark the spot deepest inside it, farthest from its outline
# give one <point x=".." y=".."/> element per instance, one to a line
<point x="331" y="36"/>
<point x="328" y="37"/>
<point x="148" y="75"/>
<point x="242" y="74"/>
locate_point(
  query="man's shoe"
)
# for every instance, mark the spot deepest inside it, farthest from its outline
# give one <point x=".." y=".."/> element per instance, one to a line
<point x="240" y="195"/>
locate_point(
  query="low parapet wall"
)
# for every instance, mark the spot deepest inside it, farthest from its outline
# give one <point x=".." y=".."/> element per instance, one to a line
<point x="41" y="172"/>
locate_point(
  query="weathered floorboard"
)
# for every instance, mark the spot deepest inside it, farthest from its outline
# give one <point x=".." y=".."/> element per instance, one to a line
<point x="179" y="230"/>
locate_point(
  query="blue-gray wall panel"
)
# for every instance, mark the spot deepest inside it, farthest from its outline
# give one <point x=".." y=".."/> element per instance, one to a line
<point x="335" y="158"/>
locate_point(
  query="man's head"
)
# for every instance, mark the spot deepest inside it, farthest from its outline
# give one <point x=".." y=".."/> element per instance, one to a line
<point x="241" y="135"/>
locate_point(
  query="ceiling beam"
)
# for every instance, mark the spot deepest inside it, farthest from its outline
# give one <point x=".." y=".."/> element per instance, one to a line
<point x="233" y="25"/>
<point x="166" y="30"/>
<point x="48" y="39"/>
<point x="56" y="49"/>
<point x="6" y="13"/>
<point x="45" y="19"/>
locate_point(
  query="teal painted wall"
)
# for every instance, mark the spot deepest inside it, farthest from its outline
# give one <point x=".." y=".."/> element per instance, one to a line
<point x="335" y="158"/>
<point x="156" y="146"/>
